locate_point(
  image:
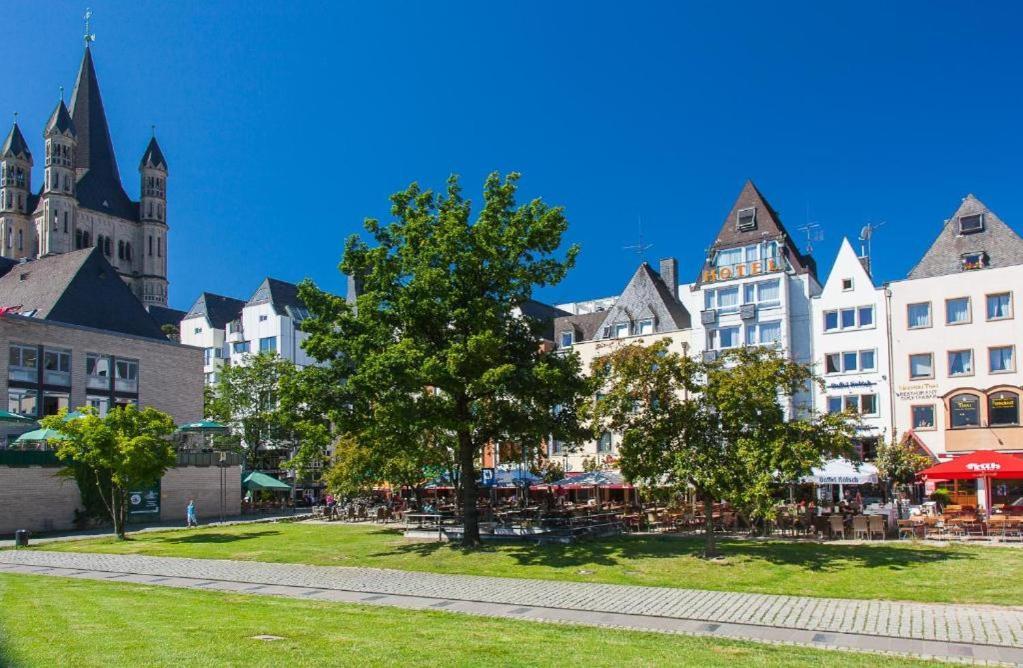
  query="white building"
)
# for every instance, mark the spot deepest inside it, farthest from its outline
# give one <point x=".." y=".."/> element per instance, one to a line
<point x="850" y="337"/>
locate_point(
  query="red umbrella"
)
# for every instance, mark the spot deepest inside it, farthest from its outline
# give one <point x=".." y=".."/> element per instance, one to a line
<point x="980" y="464"/>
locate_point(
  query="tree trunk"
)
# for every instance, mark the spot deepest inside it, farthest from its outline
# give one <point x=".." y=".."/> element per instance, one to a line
<point x="115" y="512"/>
<point x="470" y="514"/>
<point x="710" y="551"/>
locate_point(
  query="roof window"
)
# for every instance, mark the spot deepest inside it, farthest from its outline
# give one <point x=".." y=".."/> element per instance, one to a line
<point x="746" y="219"/>
<point x="971" y="224"/>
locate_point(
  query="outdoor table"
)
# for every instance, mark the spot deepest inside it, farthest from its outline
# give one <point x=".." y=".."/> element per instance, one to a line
<point x="424" y="518"/>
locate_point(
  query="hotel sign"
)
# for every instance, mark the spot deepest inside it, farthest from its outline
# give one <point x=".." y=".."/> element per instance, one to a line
<point x="743" y="269"/>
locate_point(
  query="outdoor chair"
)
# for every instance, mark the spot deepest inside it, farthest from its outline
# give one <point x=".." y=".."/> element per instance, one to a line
<point x="911" y="529"/>
<point x="859" y="525"/>
<point x="837" y="526"/>
<point x="877" y="526"/>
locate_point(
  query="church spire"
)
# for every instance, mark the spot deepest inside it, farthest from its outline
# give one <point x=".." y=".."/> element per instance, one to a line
<point x="15" y="145"/>
<point x="95" y="150"/>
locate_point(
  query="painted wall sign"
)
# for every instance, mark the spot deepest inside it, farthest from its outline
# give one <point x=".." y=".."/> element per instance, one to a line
<point x="917" y="391"/>
<point x="851" y="383"/>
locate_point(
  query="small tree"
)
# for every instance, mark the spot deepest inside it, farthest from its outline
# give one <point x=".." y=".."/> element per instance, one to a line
<point x="126" y="449"/>
<point x="719" y="426"/>
<point x="898" y="462"/>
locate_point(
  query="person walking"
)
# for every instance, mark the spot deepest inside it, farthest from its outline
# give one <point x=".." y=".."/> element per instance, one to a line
<point x="193" y="521"/>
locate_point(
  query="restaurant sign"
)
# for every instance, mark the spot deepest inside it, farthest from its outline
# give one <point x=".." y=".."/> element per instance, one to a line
<point x="917" y="391"/>
<point x="839" y="480"/>
<point x="1003" y="402"/>
<point x="984" y="467"/>
<point x="743" y="269"/>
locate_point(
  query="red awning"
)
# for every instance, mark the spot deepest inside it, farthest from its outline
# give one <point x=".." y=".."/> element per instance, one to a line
<point x="980" y="464"/>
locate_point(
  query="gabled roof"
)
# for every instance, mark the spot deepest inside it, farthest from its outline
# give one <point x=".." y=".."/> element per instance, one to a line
<point x="283" y="296"/>
<point x="217" y="309"/>
<point x="768" y="228"/>
<point x="1004" y="248"/>
<point x="153" y="157"/>
<point x="847" y="265"/>
<point x="15" y="145"/>
<point x="77" y="288"/>
<point x="165" y="316"/>
<point x="647" y="294"/>
<point x="585" y="326"/>
<point x="99" y="188"/>
<point x="60" y="121"/>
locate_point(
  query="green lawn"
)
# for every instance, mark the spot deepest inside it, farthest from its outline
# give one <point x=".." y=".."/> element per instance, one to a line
<point x="891" y="570"/>
<point x="48" y="621"/>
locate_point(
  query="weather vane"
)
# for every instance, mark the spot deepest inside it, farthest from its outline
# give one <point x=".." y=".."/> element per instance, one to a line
<point x="89" y="37"/>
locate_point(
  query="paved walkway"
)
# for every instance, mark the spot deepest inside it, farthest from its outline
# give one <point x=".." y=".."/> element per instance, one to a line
<point x="959" y="632"/>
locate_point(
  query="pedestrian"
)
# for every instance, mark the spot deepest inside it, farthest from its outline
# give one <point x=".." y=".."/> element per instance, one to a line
<point x="192" y="520"/>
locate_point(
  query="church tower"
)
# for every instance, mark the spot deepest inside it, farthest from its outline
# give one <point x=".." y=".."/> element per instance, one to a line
<point x="55" y="227"/>
<point x="15" y="192"/>
<point x="152" y="217"/>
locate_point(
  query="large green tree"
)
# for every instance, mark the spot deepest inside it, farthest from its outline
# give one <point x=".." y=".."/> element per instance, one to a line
<point x="434" y="349"/>
<point x="125" y="450"/>
<point x="898" y="462"/>
<point x="719" y="426"/>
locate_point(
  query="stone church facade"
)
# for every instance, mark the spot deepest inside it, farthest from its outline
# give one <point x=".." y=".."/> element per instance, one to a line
<point x="81" y="202"/>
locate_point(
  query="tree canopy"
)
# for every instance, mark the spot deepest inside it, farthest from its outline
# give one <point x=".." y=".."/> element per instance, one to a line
<point x="435" y="351"/>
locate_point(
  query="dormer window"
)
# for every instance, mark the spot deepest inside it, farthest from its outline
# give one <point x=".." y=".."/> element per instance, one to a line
<point x="606" y="334"/>
<point x="646" y="326"/>
<point x="971" y="261"/>
<point x="746" y="219"/>
<point x="621" y="330"/>
<point x="567" y="339"/>
<point x="971" y="224"/>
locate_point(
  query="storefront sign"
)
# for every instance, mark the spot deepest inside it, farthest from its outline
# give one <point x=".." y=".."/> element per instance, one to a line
<point x="984" y="467"/>
<point x="917" y="391"/>
<point x="839" y="480"/>
<point x="1003" y="402"/>
<point x="851" y="383"/>
<point x="743" y="269"/>
<point x="487" y="477"/>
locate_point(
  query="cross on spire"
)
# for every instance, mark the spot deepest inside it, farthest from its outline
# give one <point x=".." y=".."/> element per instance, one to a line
<point x="88" y="37"/>
<point x="15" y="118"/>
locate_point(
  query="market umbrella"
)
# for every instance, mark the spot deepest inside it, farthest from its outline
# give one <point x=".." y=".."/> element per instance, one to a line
<point x="204" y="427"/>
<point x="841" y="471"/>
<point x="73" y="415"/>
<point x="40" y="435"/>
<point x="257" y="481"/>
<point x="14" y="418"/>
<point x="982" y="464"/>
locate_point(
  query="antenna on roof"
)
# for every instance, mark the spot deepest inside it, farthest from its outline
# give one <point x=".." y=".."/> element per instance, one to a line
<point x="813" y="234"/>
<point x="639" y="248"/>
<point x="866" y="234"/>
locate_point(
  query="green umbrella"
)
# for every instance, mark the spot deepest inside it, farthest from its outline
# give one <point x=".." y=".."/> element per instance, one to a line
<point x="73" y="415"/>
<point x="257" y="480"/>
<point x="41" y="435"/>
<point x="14" y="418"/>
<point x="204" y="427"/>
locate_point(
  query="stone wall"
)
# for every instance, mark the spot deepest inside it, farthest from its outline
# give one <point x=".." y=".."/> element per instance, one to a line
<point x="201" y="484"/>
<point x="37" y="499"/>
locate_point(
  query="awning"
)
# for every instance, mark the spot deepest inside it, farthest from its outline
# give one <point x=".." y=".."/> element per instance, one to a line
<point x="257" y="481"/>
<point x="842" y="472"/>
<point x="980" y="464"/>
<point x="204" y="427"/>
<point x="40" y="435"/>
<point x="14" y="418"/>
<point x="608" y="479"/>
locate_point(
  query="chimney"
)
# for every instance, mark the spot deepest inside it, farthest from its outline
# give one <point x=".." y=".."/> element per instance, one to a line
<point x="669" y="274"/>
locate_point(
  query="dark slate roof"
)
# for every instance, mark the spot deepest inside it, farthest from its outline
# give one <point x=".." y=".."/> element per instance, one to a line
<point x="217" y="309"/>
<point x="282" y="295"/>
<point x="15" y="145"/>
<point x="1004" y="248"/>
<point x="768" y="227"/>
<point x="585" y="325"/>
<point x="545" y="313"/>
<point x="99" y="188"/>
<point x="647" y="296"/>
<point x="60" y="121"/>
<point x="78" y="288"/>
<point x="165" y="316"/>
<point x="5" y="265"/>
<point x="153" y="157"/>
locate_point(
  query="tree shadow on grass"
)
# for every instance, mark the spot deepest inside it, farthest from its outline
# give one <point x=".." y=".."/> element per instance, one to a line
<point x="205" y="537"/>
<point x="631" y="550"/>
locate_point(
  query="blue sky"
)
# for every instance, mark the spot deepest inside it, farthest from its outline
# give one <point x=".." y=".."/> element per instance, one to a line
<point x="286" y="124"/>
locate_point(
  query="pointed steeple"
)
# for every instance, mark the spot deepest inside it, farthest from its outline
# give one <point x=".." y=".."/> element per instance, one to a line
<point x="95" y="150"/>
<point x="60" y="121"/>
<point x="153" y="157"/>
<point x="15" y="145"/>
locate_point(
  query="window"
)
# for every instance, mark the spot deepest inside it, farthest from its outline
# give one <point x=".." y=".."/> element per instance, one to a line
<point x="964" y="411"/>
<point x="728" y="299"/>
<point x="23" y="402"/>
<point x="830" y="320"/>
<point x="868" y="404"/>
<point x="922" y="416"/>
<point x="849" y="318"/>
<point x="765" y="293"/>
<point x="763" y="333"/>
<point x="866" y="314"/>
<point x="150" y="244"/>
<point x="621" y="330"/>
<point x="120" y="249"/>
<point x="97" y="371"/>
<point x="1001" y="359"/>
<point x="604" y="444"/>
<point x="850" y="361"/>
<point x="921" y="365"/>
<point x="728" y="257"/>
<point x="197" y="330"/>
<point x="126" y="375"/>
<point x="1002" y="409"/>
<point x="919" y="315"/>
<point x="868" y="360"/>
<point x="971" y="224"/>
<point x="957" y="311"/>
<point x="834" y="405"/>
<point x="566" y="339"/>
<point x="725" y="337"/>
<point x="240" y="346"/>
<point x="975" y="260"/>
<point x="262" y="318"/>
<point x="847" y="284"/>
<point x="852" y="403"/>
<point x="999" y="306"/>
<point x="159" y="246"/>
<point x="100" y="403"/>
<point x="646" y="326"/>
<point x="960" y="362"/>
<point x="210" y="354"/>
<point x="56" y="366"/>
<point x="23" y="363"/>
<point x="234" y="327"/>
<point x="833" y="363"/>
<point x="53" y="402"/>
<point x="606" y="334"/>
<point x="268" y="344"/>
<point x="746" y="219"/>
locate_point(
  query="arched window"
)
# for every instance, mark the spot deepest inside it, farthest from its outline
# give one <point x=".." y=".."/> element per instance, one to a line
<point x="108" y="246"/>
<point x="1002" y="409"/>
<point x="964" y="411"/>
<point x="120" y="249"/>
<point x="150" y="245"/>
<point x="21" y="240"/>
<point x="65" y="222"/>
<point x="159" y="247"/>
<point x="127" y="252"/>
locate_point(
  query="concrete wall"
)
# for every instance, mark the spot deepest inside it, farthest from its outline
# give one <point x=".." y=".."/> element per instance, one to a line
<point x="201" y="484"/>
<point x="36" y="499"/>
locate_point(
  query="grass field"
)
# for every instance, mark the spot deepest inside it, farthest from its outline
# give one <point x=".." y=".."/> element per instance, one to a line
<point x="891" y="570"/>
<point x="48" y="621"/>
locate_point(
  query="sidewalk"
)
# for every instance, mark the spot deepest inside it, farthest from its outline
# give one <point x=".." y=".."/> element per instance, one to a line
<point x="971" y="633"/>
